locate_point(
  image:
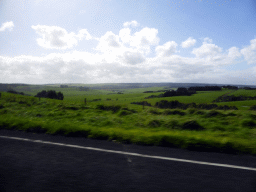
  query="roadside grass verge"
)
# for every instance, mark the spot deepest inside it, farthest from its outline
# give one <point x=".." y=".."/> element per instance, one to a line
<point x="230" y="131"/>
<point x="187" y="138"/>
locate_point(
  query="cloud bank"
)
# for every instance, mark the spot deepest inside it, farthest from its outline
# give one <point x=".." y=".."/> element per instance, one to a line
<point x="53" y="37"/>
<point x="127" y="57"/>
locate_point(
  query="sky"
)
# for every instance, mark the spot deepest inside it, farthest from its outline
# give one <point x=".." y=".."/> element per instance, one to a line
<point x="128" y="41"/>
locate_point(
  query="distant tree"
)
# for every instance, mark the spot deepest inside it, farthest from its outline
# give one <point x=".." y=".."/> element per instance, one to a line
<point x="169" y="93"/>
<point x="50" y="94"/>
<point x="60" y="96"/>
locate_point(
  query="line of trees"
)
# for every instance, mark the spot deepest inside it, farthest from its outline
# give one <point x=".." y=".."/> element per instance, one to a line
<point x="15" y="92"/>
<point x="181" y="91"/>
<point x="234" y="98"/>
<point x="163" y="104"/>
<point x="206" y="88"/>
<point x="50" y="94"/>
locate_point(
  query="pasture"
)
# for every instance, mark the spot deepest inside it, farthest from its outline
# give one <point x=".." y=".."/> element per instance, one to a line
<point x="109" y="114"/>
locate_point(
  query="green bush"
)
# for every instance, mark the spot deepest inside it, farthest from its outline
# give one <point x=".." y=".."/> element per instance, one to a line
<point x="124" y="113"/>
<point x="174" y="112"/>
<point x="192" y="125"/>
<point x="154" y="111"/>
<point x="214" y="113"/>
<point x="191" y="111"/>
<point x="109" y="108"/>
<point x="173" y="124"/>
<point x="155" y="123"/>
<point x="249" y="123"/>
<point x="200" y="112"/>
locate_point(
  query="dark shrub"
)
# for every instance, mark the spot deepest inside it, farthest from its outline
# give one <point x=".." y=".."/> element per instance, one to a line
<point x="192" y="125"/>
<point x="231" y="114"/>
<point x="177" y="112"/>
<point x="144" y="103"/>
<point x="168" y="112"/>
<point x="249" y="123"/>
<point x="200" y="112"/>
<point x="109" y="108"/>
<point x="253" y="107"/>
<point x="191" y="111"/>
<point x="174" y="112"/>
<point x="155" y="112"/>
<point x="71" y="108"/>
<point x="191" y="105"/>
<point x="252" y="116"/>
<point x="154" y="123"/>
<point x="4" y="111"/>
<point x="123" y="113"/>
<point x="171" y="104"/>
<point x="213" y="113"/>
<point x="173" y="124"/>
<point x="1" y="106"/>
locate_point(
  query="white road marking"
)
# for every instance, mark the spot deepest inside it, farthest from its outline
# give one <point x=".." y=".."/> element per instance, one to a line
<point x="132" y="154"/>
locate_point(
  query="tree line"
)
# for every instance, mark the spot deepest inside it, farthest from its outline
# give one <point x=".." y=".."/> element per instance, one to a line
<point x="50" y="94"/>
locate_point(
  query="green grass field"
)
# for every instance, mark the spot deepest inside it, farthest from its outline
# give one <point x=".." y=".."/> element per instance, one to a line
<point x="113" y="117"/>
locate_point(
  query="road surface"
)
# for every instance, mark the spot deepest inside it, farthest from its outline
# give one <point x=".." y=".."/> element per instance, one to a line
<point x="67" y="164"/>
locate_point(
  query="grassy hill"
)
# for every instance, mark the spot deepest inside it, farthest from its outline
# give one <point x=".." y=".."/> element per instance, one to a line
<point x="107" y="114"/>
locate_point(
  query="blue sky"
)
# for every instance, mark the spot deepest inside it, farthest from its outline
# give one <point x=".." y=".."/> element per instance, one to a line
<point x="128" y="41"/>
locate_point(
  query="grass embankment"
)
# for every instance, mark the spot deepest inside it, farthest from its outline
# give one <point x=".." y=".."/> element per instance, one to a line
<point x="210" y="130"/>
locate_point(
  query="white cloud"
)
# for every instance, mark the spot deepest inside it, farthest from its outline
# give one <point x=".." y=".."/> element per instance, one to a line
<point x="129" y="48"/>
<point x="207" y="40"/>
<point x="188" y="43"/>
<point x="132" y="66"/>
<point x="133" y="58"/>
<point x="249" y="52"/>
<point x="145" y="37"/>
<point x="125" y="35"/>
<point x="7" y="25"/>
<point x="234" y="53"/>
<point x="207" y="50"/>
<point x="132" y="24"/>
<point x="53" y="37"/>
<point x="124" y="57"/>
<point x="108" y="41"/>
<point x="141" y="39"/>
<point x="167" y="49"/>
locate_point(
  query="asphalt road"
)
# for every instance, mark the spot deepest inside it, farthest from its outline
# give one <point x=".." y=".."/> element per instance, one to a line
<point x="30" y="166"/>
